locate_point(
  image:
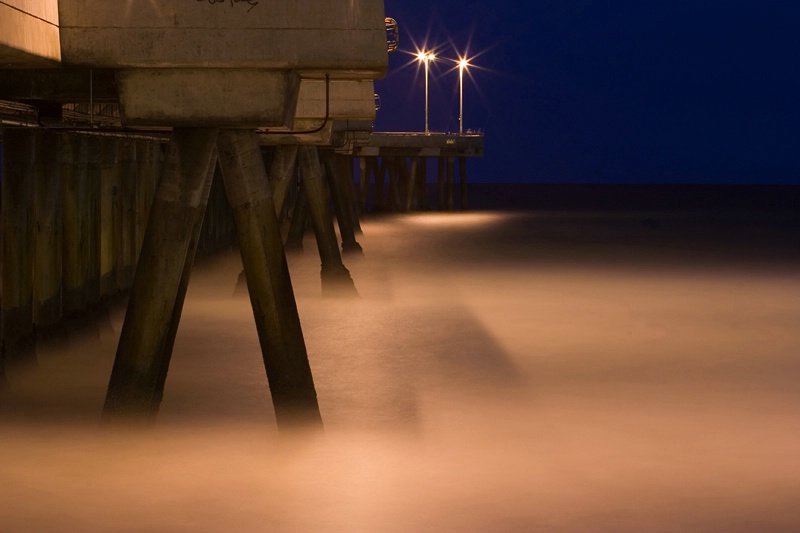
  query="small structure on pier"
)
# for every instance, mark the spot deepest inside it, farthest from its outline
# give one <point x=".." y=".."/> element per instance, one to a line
<point x="404" y="156"/>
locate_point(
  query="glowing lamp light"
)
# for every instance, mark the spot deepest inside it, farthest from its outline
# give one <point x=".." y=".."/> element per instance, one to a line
<point x="463" y="63"/>
<point x="426" y="57"/>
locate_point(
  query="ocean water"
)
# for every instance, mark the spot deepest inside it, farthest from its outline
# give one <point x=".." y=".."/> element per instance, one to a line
<point x="500" y="371"/>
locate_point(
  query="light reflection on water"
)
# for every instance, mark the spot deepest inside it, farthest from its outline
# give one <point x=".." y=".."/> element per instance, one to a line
<point x="490" y="378"/>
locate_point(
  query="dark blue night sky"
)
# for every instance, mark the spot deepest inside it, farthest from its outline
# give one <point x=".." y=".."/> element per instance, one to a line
<point x="609" y="91"/>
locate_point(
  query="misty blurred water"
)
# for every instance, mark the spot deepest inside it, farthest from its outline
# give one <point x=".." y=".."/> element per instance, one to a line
<point x="500" y="372"/>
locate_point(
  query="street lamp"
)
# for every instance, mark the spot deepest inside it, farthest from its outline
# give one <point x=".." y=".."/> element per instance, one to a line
<point x="426" y="57"/>
<point x="462" y="66"/>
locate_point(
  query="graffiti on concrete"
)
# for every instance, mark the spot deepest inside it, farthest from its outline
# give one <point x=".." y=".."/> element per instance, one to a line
<point x="251" y="3"/>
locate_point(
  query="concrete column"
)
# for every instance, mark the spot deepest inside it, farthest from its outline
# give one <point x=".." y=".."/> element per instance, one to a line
<point x="450" y="183"/>
<point x="281" y="172"/>
<point x="280" y="335"/>
<point x="183" y="284"/>
<point x="136" y="385"/>
<point x="333" y="171"/>
<point x="16" y="315"/>
<point x="47" y="271"/>
<point x="462" y="176"/>
<point x="336" y="278"/>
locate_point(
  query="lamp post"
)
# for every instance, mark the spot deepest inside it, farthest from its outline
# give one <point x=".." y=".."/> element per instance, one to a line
<point x="426" y="57"/>
<point x="462" y="65"/>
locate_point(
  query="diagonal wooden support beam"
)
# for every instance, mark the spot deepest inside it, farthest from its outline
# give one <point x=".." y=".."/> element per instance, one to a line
<point x="268" y="281"/>
<point x="145" y="346"/>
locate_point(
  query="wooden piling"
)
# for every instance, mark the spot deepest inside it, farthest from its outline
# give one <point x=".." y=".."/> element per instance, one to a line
<point x="142" y="360"/>
<point x="277" y="321"/>
<point x="16" y="314"/>
<point x="336" y="278"/>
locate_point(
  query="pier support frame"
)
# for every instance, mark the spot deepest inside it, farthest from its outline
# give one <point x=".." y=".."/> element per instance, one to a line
<point x="268" y="281"/>
<point x="137" y="381"/>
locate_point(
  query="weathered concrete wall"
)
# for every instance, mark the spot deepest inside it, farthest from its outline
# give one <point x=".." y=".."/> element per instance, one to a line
<point x="349" y="99"/>
<point x="351" y="107"/>
<point x="199" y="97"/>
<point x="303" y="35"/>
<point x="29" y="35"/>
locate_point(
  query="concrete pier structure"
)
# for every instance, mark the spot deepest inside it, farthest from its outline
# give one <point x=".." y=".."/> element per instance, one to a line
<point x="123" y="77"/>
<point x="96" y="207"/>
